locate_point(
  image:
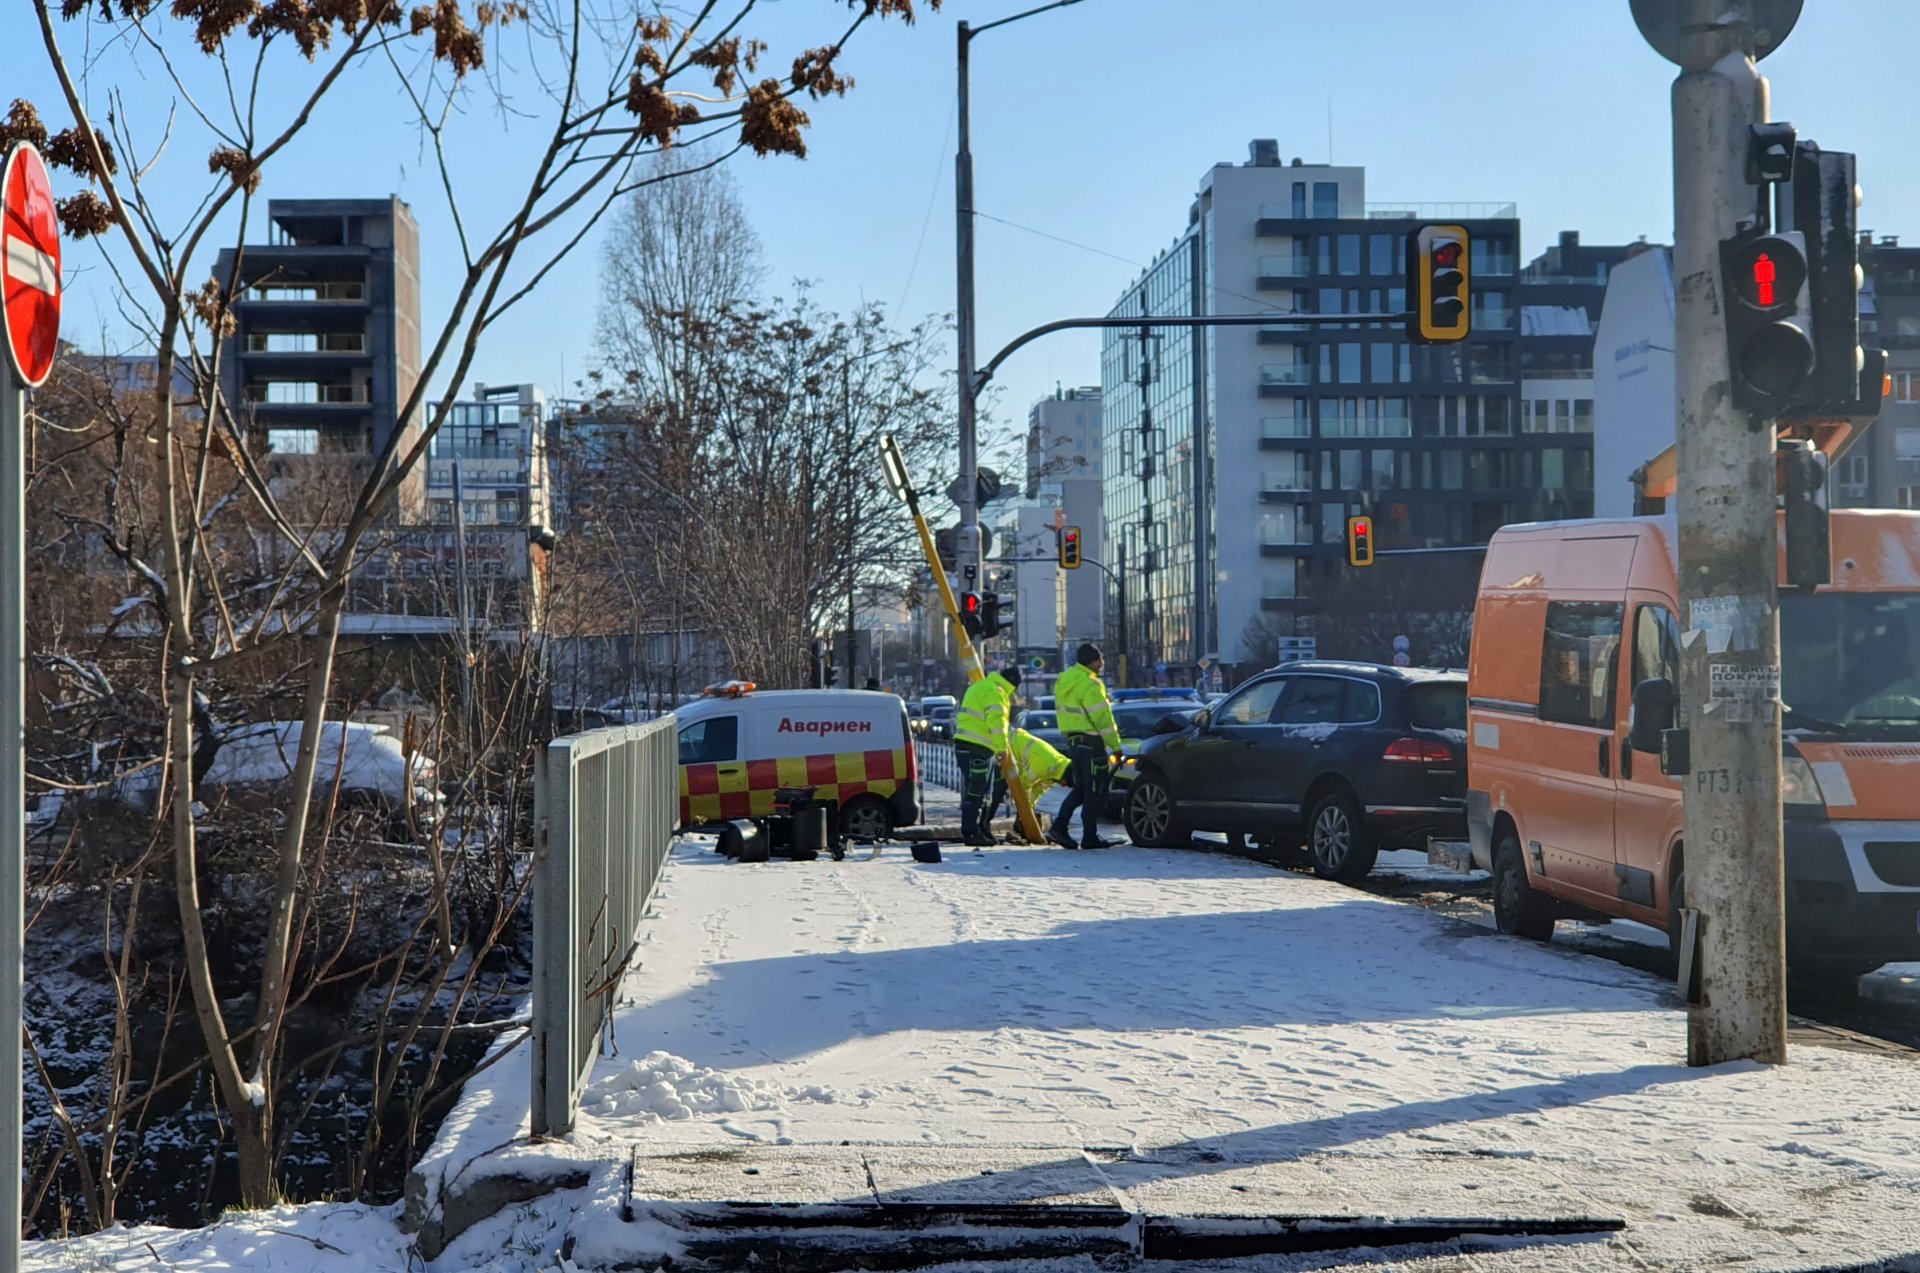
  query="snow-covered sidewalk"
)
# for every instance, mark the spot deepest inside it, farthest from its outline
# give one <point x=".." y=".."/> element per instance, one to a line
<point x="1179" y="1020"/>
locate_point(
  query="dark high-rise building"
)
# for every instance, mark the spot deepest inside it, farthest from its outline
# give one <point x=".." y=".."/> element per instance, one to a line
<point x="326" y="346"/>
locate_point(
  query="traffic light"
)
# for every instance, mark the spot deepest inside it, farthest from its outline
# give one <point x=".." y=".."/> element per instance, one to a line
<point x="1822" y="201"/>
<point x="1769" y="340"/>
<point x="1437" y="285"/>
<point x="991" y="620"/>
<point x="1359" y="541"/>
<point x="1070" y="548"/>
<point x="1808" y="555"/>
<point x="970" y="616"/>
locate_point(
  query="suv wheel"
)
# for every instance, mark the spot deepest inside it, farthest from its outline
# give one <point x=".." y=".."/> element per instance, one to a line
<point x="1152" y="818"/>
<point x="1518" y="909"/>
<point x="1341" y="848"/>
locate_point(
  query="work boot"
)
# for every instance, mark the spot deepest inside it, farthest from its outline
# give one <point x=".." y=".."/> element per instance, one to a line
<point x="1098" y="843"/>
<point x="980" y="841"/>
<point x="1058" y="835"/>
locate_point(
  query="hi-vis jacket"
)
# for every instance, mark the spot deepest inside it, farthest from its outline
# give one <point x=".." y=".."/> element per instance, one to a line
<point x="1081" y="707"/>
<point x="1039" y="765"/>
<point x="982" y="719"/>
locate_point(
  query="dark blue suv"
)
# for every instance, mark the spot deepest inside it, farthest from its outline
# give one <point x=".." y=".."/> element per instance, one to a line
<point x="1350" y="757"/>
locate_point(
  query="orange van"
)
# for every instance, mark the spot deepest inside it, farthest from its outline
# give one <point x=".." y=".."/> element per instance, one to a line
<point x="1574" y="620"/>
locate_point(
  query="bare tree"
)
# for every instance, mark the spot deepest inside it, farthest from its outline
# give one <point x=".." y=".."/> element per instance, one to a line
<point x="617" y="82"/>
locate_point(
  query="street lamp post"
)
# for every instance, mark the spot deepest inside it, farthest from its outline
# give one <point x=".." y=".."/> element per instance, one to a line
<point x="968" y="554"/>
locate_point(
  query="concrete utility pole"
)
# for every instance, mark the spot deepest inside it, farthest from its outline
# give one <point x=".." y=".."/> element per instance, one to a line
<point x="1729" y="564"/>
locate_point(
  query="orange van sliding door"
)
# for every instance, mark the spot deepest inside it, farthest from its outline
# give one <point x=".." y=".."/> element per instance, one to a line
<point x="1574" y="749"/>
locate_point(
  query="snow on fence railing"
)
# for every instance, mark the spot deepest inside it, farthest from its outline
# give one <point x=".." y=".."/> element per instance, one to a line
<point x="605" y="806"/>
<point x="938" y="764"/>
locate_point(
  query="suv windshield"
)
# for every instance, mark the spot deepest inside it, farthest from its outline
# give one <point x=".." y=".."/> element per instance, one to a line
<point x="1144" y="721"/>
<point x="1847" y="664"/>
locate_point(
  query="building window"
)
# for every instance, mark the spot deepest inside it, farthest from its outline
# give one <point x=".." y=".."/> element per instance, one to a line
<point x="1292" y="372"/>
<point x="1279" y="583"/>
<point x="1323" y="253"/>
<point x="1326" y="199"/>
<point x="1300" y="199"/>
<point x="1290" y="525"/>
<point x="1333" y="523"/>
<point x="1349" y="364"/>
<point x="1380" y="363"/>
<point x="1381" y="254"/>
<point x="1906" y="442"/>
<point x="1906" y="386"/>
<point x="1492" y="257"/>
<point x="1349" y="259"/>
<point x="1296" y="425"/>
<point x="293" y="441"/>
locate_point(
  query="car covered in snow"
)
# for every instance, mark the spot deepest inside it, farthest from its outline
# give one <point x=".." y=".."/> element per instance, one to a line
<point x="1352" y="757"/>
<point x="368" y="761"/>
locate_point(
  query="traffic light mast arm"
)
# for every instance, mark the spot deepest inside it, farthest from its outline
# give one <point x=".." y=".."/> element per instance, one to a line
<point x="985" y="373"/>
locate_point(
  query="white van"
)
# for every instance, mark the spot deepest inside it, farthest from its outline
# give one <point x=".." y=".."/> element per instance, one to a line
<point x="740" y="746"/>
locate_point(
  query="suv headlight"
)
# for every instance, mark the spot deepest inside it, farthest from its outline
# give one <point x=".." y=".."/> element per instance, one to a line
<point x="1798" y="786"/>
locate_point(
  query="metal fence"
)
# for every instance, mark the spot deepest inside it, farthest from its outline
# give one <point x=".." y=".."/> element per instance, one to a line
<point x="605" y="806"/>
<point x="938" y="764"/>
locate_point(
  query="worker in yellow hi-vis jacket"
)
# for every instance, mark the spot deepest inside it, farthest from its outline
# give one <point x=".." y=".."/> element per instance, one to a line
<point x="1085" y="716"/>
<point x="979" y="740"/>
<point x="1039" y="765"/>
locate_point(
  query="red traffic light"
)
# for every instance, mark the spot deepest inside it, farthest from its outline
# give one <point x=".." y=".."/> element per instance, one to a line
<point x="1447" y="255"/>
<point x="970" y="603"/>
<point x="1764" y="274"/>
<point x="1359" y="541"/>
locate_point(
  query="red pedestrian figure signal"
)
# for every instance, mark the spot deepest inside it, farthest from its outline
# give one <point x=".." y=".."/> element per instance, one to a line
<point x="1764" y="274"/>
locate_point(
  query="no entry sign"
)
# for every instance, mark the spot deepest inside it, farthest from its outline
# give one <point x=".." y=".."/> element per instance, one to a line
<point x="29" y="265"/>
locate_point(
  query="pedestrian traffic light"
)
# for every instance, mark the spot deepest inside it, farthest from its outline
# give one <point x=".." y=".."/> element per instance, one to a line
<point x="970" y="616"/>
<point x="1769" y="341"/>
<point x="1437" y="285"/>
<point x="1360" y="541"/>
<point x="1808" y="542"/>
<point x="1070" y="548"/>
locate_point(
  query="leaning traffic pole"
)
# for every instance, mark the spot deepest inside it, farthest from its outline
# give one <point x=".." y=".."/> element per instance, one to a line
<point x="901" y="483"/>
<point x="1729" y="563"/>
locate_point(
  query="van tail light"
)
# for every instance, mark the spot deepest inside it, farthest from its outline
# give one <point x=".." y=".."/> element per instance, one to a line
<point x="1418" y="751"/>
<point x="913" y="763"/>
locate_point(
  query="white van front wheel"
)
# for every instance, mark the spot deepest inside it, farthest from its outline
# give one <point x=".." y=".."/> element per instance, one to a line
<point x="866" y="818"/>
<point x="1518" y="909"/>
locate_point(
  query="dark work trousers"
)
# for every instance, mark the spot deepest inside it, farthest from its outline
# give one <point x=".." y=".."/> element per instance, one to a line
<point x="1092" y="772"/>
<point x="980" y="789"/>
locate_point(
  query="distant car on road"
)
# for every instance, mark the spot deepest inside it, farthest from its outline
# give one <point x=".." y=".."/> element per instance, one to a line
<point x="1042" y="725"/>
<point x="1353" y="757"/>
<point x="940" y="713"/>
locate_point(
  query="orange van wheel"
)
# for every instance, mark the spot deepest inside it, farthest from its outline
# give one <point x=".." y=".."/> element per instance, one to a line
<point x="1519" y="910"/>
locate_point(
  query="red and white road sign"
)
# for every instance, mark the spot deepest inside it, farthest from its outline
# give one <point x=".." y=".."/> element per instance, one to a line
<point x="29" y="265"/>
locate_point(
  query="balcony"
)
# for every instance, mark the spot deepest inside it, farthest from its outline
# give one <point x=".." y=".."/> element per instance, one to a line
<point x="291" y="293"/>
<point x="296" y="343"/>
<point x="285" y="394"/>
<point x="1282" y="550"/>
<point x="1442" y="211"/>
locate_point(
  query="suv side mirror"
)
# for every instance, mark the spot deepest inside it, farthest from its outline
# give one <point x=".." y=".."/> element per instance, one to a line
<point x="1654" y="704"/>
<point x="1203" y="718"/>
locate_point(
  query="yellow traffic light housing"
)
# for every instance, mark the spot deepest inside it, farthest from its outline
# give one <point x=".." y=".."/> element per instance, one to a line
<point x="1360" y="541"/>
<point x="1070" y="548"/>
<point x="1438" y="284"/>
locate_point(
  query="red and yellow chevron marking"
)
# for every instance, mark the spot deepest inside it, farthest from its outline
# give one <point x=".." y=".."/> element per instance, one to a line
<point x="744" y="788"/>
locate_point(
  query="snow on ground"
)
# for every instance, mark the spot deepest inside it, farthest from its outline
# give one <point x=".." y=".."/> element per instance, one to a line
<point x="1190" y="1004"/>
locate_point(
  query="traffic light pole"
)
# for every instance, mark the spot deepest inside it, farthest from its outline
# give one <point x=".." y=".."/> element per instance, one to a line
<point x="1729" y="562"/>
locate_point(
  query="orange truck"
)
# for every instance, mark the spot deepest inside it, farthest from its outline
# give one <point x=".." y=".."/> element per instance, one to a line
<point x="1577" y="631"/>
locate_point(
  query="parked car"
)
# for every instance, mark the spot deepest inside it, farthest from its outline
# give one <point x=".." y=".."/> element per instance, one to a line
<point x="371" y="766"/>
<point x="1042" y="725"/>
<point x="1352" y="757"/>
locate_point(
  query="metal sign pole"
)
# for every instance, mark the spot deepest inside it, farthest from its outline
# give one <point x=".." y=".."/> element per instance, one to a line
<point x="13" y="798"/>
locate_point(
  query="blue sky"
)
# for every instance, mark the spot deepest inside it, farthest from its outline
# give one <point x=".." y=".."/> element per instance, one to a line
<point x="1094" y="124"/>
